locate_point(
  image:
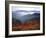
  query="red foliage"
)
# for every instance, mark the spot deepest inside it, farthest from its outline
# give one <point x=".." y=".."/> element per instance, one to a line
<point x="32" y="25"/>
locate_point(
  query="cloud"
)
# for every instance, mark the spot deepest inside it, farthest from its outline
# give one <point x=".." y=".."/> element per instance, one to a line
<point x="25" y="8"/>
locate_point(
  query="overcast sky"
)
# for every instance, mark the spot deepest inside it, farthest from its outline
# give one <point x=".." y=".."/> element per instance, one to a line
<point x="24" y="8"/>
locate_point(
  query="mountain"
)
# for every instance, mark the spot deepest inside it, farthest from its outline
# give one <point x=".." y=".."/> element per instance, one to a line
<point x="27" y="17"/>
<point x="19" y="13"/>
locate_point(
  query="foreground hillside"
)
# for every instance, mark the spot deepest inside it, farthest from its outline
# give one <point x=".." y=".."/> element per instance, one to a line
<point x="30" y="25"/>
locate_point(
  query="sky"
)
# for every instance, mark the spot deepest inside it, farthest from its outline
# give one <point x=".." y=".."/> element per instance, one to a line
<point x="25" y="8"/>
<point x="22" y="13"/>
